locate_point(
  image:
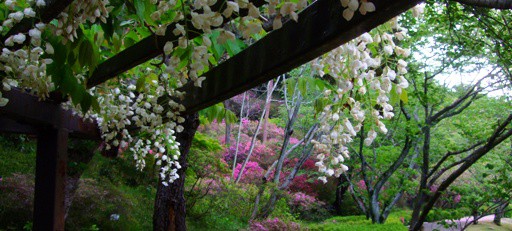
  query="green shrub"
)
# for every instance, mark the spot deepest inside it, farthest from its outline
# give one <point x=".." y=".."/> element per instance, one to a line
<point x="349" y="207"/>
<point x="121" y="171"/>
<point x="447" y="214"/>
<point x="226" y="207"/>
<point x="282" y="210"/>
<point x="100" y="204"/>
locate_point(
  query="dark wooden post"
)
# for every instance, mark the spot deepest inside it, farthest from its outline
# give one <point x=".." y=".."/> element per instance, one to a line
<point x="50" y="179"/>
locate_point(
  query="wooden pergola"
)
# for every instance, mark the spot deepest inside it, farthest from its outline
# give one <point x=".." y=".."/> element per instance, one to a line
<point x="320" y="28"/>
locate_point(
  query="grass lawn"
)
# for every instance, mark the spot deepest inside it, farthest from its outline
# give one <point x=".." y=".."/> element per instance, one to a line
<point x="491" y="226"/>
<point x="360" y="223"/>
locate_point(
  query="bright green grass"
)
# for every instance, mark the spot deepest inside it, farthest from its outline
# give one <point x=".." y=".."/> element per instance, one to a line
<point x="491" y="226"/>
<point x="20" y="160"/>
<point x="360" y="223"/>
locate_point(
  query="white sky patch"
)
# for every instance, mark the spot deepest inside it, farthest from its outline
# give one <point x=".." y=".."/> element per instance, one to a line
<point x="429" y="55"/>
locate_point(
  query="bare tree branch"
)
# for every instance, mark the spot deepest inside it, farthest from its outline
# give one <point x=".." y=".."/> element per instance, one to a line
<point x="448" y="154"/>
<point x="494" y="4"/>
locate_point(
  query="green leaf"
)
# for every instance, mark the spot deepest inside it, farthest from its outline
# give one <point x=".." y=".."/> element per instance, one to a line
<point x="60" y="52"/>
<point x="229" y="116"/>
<point x="290" y="86"/>
<point x="116" y="41"/>
<point x="95" y="105"/>
<point x="404" y="97"/>
<point x="141" y="82"/>
<point x="78" y="94"/>
<point x="303" y="84"/>
<point x="233" y="47"/>
<point x="320" y="104"/>
<point x="86" y="103"/>
<point x="55" y="70"/>
<point x="85" y="53"/>
<point x="140" y="7"/>
<point x="394" y="98"/>
<point x="319" y="84"/>
<point x="108" y="28"/>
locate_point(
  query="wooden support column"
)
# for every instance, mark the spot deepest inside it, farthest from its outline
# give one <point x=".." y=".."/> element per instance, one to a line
<point x="50" y="184"/>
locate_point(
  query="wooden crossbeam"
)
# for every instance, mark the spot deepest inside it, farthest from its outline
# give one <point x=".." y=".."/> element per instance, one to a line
<point x="12" y="126"/>
<point x="148" y="48"/>
<point x="25" y="109"/>
<point x="320" y="29"/>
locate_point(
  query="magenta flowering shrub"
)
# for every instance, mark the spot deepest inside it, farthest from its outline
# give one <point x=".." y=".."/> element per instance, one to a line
<point x="302" y="183"/>
<point x="273" y="225"/>
<point x="209" y="187"/>
<point x="214" y="129"/>
<point x="294" y="140"/>
<point x="361" y="185"/>
<point x="309" y="165"/>
<point x="262" y="154"/>
<point x="304" y="201"/>
<point x="253" y="173"/>
<point x="456" y="198"/>
<point x="253" y="105"/>
<point x="308" y="207"/>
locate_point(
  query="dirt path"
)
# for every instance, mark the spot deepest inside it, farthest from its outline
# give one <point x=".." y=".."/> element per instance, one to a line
<point x="458" y="224"/>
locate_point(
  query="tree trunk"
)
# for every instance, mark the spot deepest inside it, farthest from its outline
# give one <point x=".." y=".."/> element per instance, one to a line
<point x="269" y="207"/>
<point x="270" y="85"/>
<point x="170" y="211"/>
<point x="80" y="153"/>
<point x="227" y="139"/>
<point x="422" y="194"/>
<point x="374" y="209"/>
<point x="500" y="212"/>
<point x="238" y="136"/>
<point x="341" y="190"/>
<point x="475" y="217"/>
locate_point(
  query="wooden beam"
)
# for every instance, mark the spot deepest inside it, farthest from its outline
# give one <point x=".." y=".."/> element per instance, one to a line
<point x="27" y="109"/>
<point x="11" y="126"/>
<point x="51" y="161"/>
<point x="320" y="29"/>
<point x="148" y="48"/>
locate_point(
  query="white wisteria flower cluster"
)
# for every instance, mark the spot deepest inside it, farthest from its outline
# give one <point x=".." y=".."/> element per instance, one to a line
<point x="79" y="12"/>
<point x="368" y="68"/>
<point x="124" y="110"/>
<point x="25" y="67"/>
<point x="353" y="5"/>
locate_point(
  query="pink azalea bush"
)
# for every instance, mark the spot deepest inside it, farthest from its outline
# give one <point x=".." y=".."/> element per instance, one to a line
<point x="263" y="154"/>
<point x="253" y="173"/>
<point x="361" y="185"/>
<point x="456" y="198"/>
<point x="308" y="207"/>
<point x="304" y="201"/>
